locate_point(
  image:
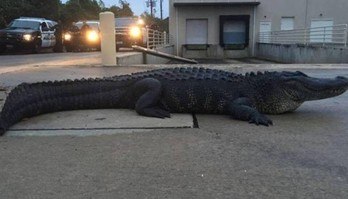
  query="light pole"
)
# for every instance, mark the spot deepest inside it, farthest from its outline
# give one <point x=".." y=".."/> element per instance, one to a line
<point x="161" y="9"/>
<point x="151" y="4"/>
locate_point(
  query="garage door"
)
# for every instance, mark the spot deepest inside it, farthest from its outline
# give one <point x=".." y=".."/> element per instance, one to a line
<point x="234" y="32"/>
<point x="196" y="31"/>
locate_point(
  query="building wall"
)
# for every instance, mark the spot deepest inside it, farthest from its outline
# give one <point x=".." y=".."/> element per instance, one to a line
<point x="177" y="28"/>
<point x="303" y="54"/>
<point x="303" y="12"/>
<point x="273" y="10"/>
<point x="213" y="1"/>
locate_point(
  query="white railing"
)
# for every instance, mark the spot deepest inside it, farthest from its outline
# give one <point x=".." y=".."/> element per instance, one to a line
<point x="153" y="38"/>
<point x="327" y="35"/>
<point x="157" y="39"/>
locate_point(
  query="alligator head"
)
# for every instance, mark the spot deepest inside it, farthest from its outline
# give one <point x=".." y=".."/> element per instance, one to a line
<point x="289" y="90"/>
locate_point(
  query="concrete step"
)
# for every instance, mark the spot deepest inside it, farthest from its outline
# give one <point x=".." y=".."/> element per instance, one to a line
<point x="95" y="122"/>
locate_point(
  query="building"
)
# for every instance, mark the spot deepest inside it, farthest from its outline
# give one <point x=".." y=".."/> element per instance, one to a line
<point x="229" y="28"/>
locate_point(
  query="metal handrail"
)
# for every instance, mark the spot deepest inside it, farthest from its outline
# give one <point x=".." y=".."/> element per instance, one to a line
<point x="319" y="35"/>
<point x="154" y="38"/>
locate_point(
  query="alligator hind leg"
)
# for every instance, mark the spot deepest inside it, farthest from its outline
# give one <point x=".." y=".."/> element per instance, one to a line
<point x="241" y="109"/>
<point x="149" y="102"/>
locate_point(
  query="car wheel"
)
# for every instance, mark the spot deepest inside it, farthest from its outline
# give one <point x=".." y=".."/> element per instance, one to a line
<point x="58" y="49"/>
<point x="2" y="48"/>
<point x="69" y="48"/>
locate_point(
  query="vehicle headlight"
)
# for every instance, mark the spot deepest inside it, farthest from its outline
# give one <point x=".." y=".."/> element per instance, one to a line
<point x="135" y="32"/>
<point x="67" y="36"/>
<point x="141" y="22"/>
<point x="27" y="37"/>
<point x="92" y="36"/>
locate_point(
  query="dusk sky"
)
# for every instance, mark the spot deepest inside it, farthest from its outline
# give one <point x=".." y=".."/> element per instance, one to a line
<point x="139" y="6"/>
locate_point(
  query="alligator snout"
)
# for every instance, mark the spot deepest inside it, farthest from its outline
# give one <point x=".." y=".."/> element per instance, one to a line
<point x="343" y="81"/>
<point x="341" y="77"/>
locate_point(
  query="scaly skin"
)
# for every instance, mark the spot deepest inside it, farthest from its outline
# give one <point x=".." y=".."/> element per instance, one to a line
<point x="158" y="93"/>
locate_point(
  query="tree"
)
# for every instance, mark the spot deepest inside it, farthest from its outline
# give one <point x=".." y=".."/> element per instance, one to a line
<point x="71" y="11"/>
<point x="12" y="9"/>
<point x="156" y="23"/>
<point x="123" y="11"/>
<point x="101" y="4"/>
<point x="76" y="10"/>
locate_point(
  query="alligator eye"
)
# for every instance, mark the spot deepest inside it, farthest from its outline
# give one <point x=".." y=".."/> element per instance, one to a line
<point x="287" y="74"/>
<point x="293" y="74"/>
<point x="301" y="73"/>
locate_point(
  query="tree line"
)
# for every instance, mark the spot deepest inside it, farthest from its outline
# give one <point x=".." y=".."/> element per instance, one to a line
<point x="72" y="10"/>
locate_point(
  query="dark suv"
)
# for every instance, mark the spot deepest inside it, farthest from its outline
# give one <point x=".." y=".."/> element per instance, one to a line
<point x="82" y="36"/>
<point x="28" y="33"/>
<point x="130" y="31"/>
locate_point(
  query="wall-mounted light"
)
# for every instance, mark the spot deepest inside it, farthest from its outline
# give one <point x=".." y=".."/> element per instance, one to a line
<point x="321" y="14"/>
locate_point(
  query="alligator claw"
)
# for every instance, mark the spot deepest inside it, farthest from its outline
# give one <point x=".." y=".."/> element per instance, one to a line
<point x="163" y="105"/>
<point x="260" y="119"/>
<point x="161" y="113"/>
<point x="156" y="112"/>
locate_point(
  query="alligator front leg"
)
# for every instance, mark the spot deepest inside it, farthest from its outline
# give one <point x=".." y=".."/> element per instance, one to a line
<point x="149" y="102"/>
<point x="242" y="109"/>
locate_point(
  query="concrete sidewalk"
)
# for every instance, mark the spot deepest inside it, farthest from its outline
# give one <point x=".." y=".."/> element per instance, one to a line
<point x="304" y="155"/>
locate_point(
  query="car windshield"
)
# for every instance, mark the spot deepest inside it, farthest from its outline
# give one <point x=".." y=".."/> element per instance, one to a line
<point x="123" y="22"/>
<point x="24" y="24"/>
<point x="93" y="25"/>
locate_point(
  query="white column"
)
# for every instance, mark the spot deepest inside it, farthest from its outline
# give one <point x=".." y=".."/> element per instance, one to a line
<point x="108" y="41"/>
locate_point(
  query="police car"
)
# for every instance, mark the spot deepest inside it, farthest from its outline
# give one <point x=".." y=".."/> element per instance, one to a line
<point x="28" y="33"/>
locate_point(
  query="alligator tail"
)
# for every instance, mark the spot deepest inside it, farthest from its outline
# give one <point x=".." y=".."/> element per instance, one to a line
<point x="28" y="100"/>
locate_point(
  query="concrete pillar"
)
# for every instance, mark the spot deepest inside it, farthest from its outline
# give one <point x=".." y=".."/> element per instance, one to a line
<point x="108" y="41"/>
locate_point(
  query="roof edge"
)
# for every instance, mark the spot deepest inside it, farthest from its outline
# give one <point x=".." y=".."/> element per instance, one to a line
<point x="180" y="4"/>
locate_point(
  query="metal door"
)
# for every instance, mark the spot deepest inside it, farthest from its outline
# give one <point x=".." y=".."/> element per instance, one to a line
<point x="52" y="36"/>
<point x="265" y="31"/>
<point x="196" y="31"/>
<point x="45" y="35"/>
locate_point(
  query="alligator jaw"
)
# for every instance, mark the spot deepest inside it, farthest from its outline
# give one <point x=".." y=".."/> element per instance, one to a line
<point x="321" y="88"/>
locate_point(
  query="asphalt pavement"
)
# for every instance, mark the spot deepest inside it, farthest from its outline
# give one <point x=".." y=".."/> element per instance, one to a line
<point x="304" y="155"/>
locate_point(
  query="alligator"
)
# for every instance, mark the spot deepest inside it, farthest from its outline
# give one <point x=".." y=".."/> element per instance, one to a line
<point x="157" y="93"/>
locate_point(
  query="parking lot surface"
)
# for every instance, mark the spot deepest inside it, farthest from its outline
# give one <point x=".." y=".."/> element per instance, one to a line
<point x="304" y="155"/>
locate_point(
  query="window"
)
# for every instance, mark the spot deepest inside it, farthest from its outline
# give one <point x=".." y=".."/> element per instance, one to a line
<point x="50" y="24"/>
<point x="234" y="32"/>
<point x="196" y="31"/>
<point x="321" y="30"/>
<point x="25" y="24"/>
<point x="44" y="26"/>
<point x="287" y="23"/>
